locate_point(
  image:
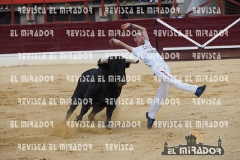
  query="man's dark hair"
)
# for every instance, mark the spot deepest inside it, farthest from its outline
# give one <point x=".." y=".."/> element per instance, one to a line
<point x="136" y="32"/>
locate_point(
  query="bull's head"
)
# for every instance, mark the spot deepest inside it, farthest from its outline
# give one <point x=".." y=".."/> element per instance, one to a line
<point x="115" y="67"/>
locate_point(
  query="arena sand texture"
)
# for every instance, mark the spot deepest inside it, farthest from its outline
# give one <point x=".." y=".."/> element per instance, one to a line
<point x="147" y="144"/>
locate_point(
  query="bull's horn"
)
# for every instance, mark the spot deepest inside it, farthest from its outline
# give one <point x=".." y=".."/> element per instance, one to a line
<point x="102" y="61"/>
<point x="131" y="61"/>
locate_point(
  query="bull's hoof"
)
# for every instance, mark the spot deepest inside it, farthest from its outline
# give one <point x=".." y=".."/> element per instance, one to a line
<point x="108" y="127"/>
<point x="77" y="119"/>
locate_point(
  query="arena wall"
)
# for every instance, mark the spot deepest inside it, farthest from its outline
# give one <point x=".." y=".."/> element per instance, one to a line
<point x="98" y="37"/>
<point x="222" y="43"/>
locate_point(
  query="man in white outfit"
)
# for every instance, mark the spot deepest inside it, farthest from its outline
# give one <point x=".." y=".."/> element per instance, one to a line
<point x="152" y="58"/>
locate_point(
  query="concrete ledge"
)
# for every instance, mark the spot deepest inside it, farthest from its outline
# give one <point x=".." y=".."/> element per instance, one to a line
<point x="68" y="57"/>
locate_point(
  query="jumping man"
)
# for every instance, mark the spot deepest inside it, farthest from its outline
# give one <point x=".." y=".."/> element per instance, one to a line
<point x="152" y="58"/>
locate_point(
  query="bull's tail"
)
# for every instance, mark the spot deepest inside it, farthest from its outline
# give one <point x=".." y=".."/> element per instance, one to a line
<point x="78" y="90"/>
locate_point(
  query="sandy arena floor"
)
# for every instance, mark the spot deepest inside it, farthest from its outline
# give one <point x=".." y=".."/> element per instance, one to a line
<point x="146" y="144"/>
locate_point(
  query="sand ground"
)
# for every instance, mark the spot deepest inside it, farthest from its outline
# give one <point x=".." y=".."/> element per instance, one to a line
<point x="146" y="144"/>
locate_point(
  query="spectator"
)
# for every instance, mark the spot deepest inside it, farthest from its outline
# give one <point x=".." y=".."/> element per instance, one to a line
<point x="6" y="7"/>
<point x="24" y="6"/>
<point x="67" y="4"/>
<point x="133" y="1"/>
<point x="96" y="2"/>
<point x="177" y="15"/>
<point x="33" y="5"/>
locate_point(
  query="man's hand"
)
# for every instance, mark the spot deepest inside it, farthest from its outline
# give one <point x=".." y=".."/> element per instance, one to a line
<point x="114" y="41"/>
<point x="135" y="26"/>
<point x="125" y="26"/>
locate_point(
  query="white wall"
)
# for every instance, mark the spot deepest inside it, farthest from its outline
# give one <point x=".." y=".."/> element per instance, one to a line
<point x="51" y="58"/>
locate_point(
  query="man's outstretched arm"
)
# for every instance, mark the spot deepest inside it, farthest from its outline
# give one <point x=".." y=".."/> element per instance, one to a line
<point x="120" y="43"/>
<point x="134" y="26"/>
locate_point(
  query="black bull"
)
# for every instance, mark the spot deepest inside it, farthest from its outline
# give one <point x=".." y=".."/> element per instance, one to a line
<point x="100" y="88"/>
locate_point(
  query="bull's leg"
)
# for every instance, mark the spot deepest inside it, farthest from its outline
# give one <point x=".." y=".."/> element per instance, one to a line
<point x="109" y="111"/>
<point x="84" y="110"/>
<point x="85" y="107"/>
<point x="96" y="109"/>
<point x="77" y="94"/>
<point x="70" y="111"/>
<point x="73" y="106"/>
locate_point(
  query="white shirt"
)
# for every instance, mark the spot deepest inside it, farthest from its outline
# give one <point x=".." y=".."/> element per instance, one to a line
<point x="178" y="17"/>
<point x="148" y="55"/>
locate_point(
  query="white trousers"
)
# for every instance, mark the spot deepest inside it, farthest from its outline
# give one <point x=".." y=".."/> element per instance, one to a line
<point x="163" y="73"/>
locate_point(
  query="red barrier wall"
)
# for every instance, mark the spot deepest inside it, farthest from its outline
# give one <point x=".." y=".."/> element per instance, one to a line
<point x="62" y="42"/>
<point x="201" y="23"/>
